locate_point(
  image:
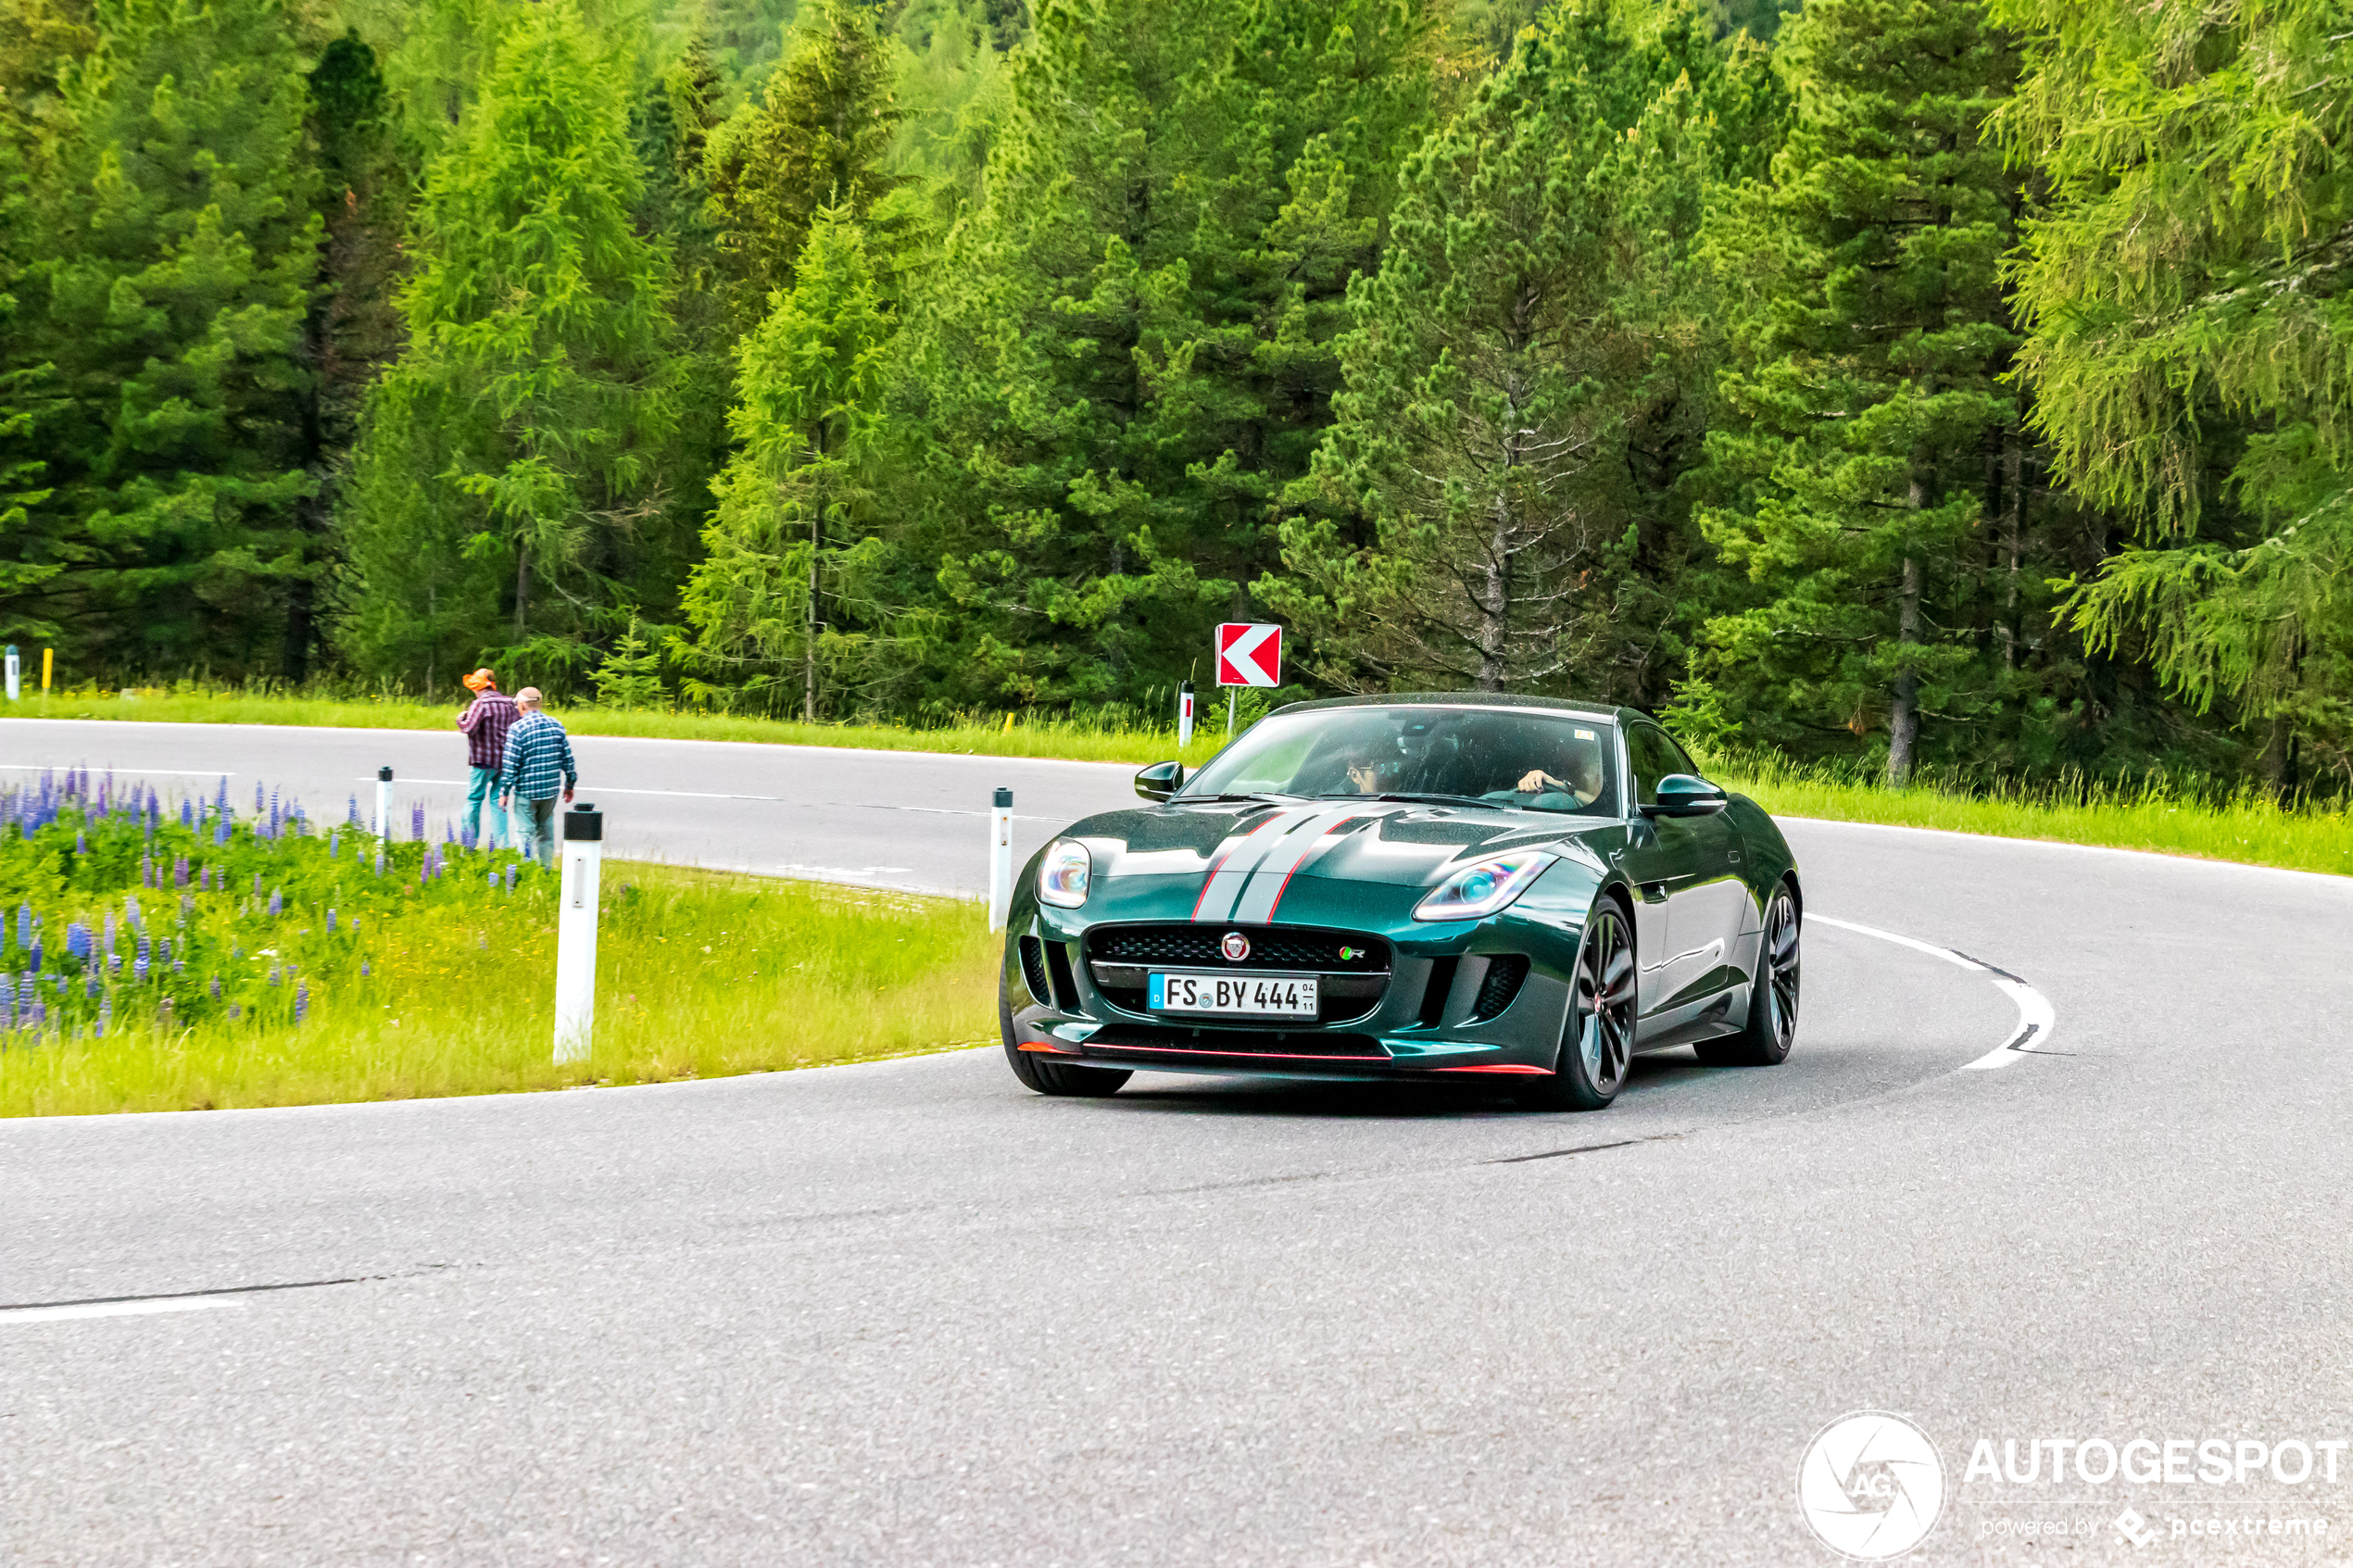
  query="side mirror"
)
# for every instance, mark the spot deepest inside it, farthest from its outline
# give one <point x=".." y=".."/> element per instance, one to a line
<point x="1680" y="795"/>
<point x="1160" y="781"/>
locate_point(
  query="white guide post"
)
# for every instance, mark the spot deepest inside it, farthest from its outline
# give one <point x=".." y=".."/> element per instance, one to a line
<point x="13" y="673"/>
<point x="582" y="852"/>
<point x="384" y="806"/>
<point x="1184" y="716"/>
<point x="1001" y="858"/>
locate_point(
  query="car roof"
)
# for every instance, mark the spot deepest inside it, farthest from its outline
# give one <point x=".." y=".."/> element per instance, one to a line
<point x="1465" y="699"/>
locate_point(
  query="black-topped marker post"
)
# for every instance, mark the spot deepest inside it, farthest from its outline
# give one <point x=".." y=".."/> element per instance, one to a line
<point x="383" y="807"/>
<point x="1001" y="858"/>
<point x="582" y="854"/>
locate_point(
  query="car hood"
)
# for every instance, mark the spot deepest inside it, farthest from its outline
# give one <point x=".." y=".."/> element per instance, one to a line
<point x="1241" y="857"/>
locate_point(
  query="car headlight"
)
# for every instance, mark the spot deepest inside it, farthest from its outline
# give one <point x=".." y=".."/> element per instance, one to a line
<point x="1063" y="874"/>
<point x="1481" y="889"/>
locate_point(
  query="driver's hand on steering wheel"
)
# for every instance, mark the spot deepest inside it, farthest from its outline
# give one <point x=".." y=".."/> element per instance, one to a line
<point x="1536" y="779"/>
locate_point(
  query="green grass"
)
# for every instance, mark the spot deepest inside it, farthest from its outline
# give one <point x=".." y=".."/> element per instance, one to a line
<point x="700" y="974"/>
<point x="2151" y="815"/>
<point x="972" y="735"/>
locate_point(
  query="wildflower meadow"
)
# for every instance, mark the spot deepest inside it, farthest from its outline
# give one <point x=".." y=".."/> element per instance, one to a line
<point x="215" y="949"/>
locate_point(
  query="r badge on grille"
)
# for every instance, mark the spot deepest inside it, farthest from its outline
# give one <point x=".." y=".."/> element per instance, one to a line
<point x="1235" y="945"/>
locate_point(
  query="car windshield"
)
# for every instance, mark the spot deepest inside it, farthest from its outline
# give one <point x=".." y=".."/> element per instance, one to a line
<point x="1528" y="759"/>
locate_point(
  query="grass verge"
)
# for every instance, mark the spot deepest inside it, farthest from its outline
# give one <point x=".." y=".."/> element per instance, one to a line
<point x="435" y="977"/>
<point x="2251" y="829"/>
<point x="977" y="735"/>
<point x="2151" y="815"/>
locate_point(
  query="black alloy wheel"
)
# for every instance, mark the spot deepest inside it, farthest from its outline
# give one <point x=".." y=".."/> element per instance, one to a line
<point x="1772" y="996"/>
<point x="1598" y="1040"/>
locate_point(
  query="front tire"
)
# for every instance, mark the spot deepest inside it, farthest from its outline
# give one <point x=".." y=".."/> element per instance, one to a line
<point x="1047" y="1076"/>
<point x="1771" y="1028"/>
<point x="1597" y="1038"/>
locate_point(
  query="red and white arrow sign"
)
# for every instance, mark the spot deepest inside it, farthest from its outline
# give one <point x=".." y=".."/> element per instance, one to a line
<point x="1249" y="654"/>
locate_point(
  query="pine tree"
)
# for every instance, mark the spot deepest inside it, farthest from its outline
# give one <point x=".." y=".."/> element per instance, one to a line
<point x="1477" y="402"/>
<point x="171" y="267"/>
<point x="506" y="472"/>
<point x="2189" y="326"/>
<point x="1127" y="354"/>
<point x="1872" y="337"/>
<point x="810" y="382"/>
<point x="820" y="141"/>
<point x="630" y="676"/>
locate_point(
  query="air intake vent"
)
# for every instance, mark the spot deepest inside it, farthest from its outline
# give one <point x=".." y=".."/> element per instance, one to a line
<point x="1505" y="974"/>
<point x="1442" y="980"/>
<point x="1033" y="971"/>
<point x="1058" y="965"/>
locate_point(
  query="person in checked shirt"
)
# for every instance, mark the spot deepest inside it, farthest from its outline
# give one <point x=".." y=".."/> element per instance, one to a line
<point x="485" y="720"/>
<point x="538" y="767"/>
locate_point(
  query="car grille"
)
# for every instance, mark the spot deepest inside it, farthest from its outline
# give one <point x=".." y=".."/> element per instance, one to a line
<point x="1351" y="987"/>
<point x="1504" y="974"/>
<point x="1274" y="946"/>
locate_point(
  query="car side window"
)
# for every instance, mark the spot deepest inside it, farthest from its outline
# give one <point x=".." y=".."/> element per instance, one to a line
<point x="1654" y="756"/>
<point x="1682" y="757"/>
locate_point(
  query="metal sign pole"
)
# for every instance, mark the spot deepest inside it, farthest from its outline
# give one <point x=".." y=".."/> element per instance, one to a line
<point x="12" y="672"/>
<point x="1231" y="694"/>
<point x="583" y="853"/>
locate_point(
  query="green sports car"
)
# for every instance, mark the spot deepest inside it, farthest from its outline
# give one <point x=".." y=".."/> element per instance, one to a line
<point x="1404" y="887"/>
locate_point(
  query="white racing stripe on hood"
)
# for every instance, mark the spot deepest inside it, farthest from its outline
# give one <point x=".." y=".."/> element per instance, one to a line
<point x="1225" y="882"/>
<point x="1256" y="906"/>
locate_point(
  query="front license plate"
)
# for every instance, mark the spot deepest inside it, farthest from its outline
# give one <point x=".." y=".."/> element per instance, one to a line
<point x="1232" y="995"/>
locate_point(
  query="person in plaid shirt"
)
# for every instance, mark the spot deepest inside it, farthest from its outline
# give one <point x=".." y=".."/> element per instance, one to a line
<point x="538" y="754"/>
<point x="485" y="720"/>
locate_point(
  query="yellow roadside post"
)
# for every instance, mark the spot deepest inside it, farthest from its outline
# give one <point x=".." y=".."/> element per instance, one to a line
<point x="48" y="662"/>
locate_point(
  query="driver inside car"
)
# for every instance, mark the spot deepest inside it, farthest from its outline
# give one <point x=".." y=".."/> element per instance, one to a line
<point x="1577" y="785"/>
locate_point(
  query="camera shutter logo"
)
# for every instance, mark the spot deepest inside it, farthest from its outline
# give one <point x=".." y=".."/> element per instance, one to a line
<point x="1872" y="1485"/>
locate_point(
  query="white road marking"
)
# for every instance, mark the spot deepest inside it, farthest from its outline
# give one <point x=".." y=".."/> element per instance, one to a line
<point x="774" y="799"/>
<point x="166" y="772"/>
<point x="140" y="1309"/>
<point x="2035" y="1019"/>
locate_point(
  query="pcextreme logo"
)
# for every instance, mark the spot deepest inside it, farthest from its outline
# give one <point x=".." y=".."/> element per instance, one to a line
<point x="1872" y="1485"/>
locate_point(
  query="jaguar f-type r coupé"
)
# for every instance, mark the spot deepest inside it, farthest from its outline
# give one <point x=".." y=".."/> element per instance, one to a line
<point x="1404" y="887"/>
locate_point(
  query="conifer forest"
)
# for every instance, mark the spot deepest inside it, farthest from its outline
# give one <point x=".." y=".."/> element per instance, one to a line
<point x="1905" y="383"/>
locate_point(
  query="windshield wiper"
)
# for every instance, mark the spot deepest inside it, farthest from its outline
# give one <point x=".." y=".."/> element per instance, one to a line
<point x="1255" y="795"/>
<point x="1405" y="796"/>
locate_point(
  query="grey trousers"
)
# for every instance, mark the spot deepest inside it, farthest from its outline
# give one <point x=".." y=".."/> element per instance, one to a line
<point x="536" y="827"/>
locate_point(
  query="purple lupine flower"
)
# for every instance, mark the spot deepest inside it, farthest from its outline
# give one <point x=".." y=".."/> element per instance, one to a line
<point x="257" y="798"/>
<point x="334" y="842"/>
<point x="77" y="939"/>
<point x="417" y="822"/>
<point x="187" y="812"/>
<point x="24" y="925"/>
<point x="90" y="986"/>
<point x="106" y="1013"/>
<point x="220" y="832"/>
<point x="363" y="968"/>
<point x="330" y="920"/>
<point x="353" y="819"/>
<point x="511" y="870"/>
<point x="302" y="1002"/>
<point x="274" y="975"/>
<point x="380" y="858"/>
<point x="235" y="1012"/>
<point x="257" y="885"/>
<point x="216" y="987"/>
<point x="277" y="903"/>
<point x="8" y="1001"/>
<point x="80" y="845"/>
<point x="139" y="969"/>
<point x="110" y="929"/>
<point x="36" y="954"/>
<point x="40" y="1014"/>
<point x="114" y="963"/>
<point x="276" y="822"/>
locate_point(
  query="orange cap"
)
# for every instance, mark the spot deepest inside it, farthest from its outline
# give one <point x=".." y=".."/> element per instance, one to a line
<point x="480" y="679"/>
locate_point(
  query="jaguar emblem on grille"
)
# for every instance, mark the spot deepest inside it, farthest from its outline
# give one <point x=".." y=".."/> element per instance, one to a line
<point x="1235" y="945"/>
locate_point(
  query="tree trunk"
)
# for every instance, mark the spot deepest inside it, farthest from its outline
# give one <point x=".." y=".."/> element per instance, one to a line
<point x="809" y="641"/>
<point x="2013" y="533"/>
<point x="1903" y="717"/>
<point x="522" y="586"/>
<point x="1495" y="608"/>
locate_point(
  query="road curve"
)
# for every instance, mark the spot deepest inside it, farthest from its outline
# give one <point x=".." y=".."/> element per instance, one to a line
<point x="907" y="1313"/>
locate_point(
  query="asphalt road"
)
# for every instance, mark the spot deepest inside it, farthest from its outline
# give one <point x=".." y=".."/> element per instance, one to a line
<point x="907" y="1313"/>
